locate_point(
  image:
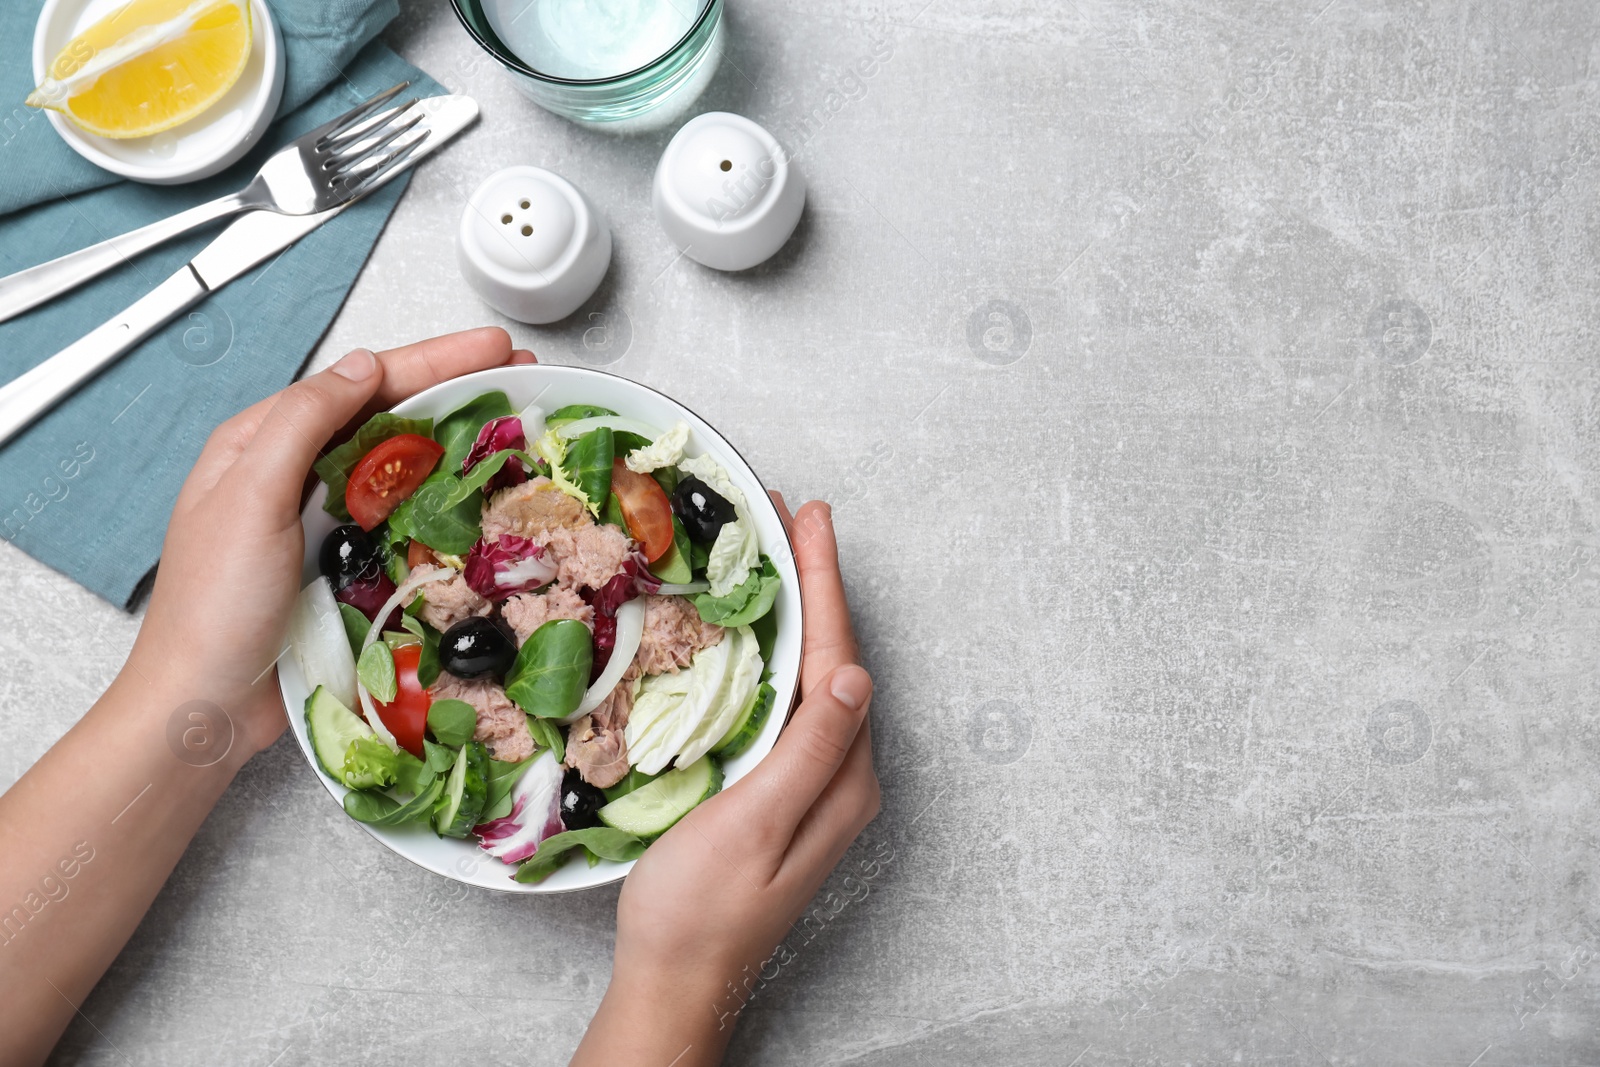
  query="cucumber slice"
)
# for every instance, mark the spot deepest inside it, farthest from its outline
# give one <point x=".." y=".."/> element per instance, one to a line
<point x="465" y="791"/>
<point x="653" y="808"/>
<point x="748" y="725"/>
<point x="331" y="727"/>
<point x="631" y="781"/>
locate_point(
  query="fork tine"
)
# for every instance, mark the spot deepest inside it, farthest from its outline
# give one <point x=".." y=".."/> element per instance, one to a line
<point x="364" y="150"/>
<point x="365" y="128"/>
<point x="361" y="183"/>
<point x="356" y="114"/>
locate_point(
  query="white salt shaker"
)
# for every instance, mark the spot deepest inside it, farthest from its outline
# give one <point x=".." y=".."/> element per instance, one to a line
<point x="726" y="192"/>
<point x="532" y="244"/>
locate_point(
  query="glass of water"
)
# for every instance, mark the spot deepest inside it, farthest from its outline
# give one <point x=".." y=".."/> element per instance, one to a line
<point x="622" y="65"/>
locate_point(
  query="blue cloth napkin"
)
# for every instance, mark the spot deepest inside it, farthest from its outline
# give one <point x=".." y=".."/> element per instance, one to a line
<point x="88" y="489"/>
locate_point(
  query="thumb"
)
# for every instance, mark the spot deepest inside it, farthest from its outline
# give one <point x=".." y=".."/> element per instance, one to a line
<point x="810" y="749"/>
<point x="299" y="421"/>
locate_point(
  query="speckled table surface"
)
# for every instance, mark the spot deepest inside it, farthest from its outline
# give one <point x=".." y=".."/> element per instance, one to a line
<point x="1208" y="398"/>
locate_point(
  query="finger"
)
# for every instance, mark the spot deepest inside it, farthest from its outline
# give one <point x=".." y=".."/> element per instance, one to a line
<point x="783" y="514"/>
<point x="411" y="369"/>
<point x="299" y="421"/>
<point x="450" y="355"/>
<point x="830" y="640"/>
<point x="785" y="784"/>
<point x="224" y="445"/>
<point x="846" y="805"/>
<point x="406" y="371"/>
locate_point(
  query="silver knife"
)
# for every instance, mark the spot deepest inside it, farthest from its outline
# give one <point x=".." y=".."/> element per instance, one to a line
<point x="252" y="239"/>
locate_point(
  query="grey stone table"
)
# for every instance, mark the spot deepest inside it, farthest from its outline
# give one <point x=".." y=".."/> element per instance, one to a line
<point x="1207" y="394"/>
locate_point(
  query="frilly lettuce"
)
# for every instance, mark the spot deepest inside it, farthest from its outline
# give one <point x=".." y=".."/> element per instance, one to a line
<point x="664" y="451"/>
<point x="552" y="449"/>
<point x="369" y="763"/>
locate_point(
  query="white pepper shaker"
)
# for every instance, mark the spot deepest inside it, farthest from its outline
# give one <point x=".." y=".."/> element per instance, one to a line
<point x="726" y="192"/>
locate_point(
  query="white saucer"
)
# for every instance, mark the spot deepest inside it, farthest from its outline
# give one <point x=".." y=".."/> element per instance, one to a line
<point x="196" y="149"/>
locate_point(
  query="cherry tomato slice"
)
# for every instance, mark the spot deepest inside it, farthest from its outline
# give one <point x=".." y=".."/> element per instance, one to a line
<point x="645" y="508"/>
<point x="387" y="475"/>
<point x="420" y="555"/>
<point x="407" y="716"/>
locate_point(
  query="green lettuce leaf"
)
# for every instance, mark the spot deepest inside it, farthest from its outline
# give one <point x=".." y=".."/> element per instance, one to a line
<point x="452" y="529"/>
<point x="376" y="671"/>
<point x="547" y="734"/>
<point x="335" y="466"/>
<point x="411" y="776"/>
<point x="381" y="810"/>
<point x="458" y="431"/>
<point x="370" y="807"/>
<point x="602" y="841"/>
<point x="551" y="671"/>
<point x="502" y="777"/>
<point x="428" y="665"/>
<point x="589" y="462"/>
<point x="574" y="412"/>
<point x="452" y="721"/>
<point x="446" y="511"/>
<point x="748" y="601"/>
<point x="439" y="758"/>
<point x="613" y="513"/>
<point x="356" y="626"/>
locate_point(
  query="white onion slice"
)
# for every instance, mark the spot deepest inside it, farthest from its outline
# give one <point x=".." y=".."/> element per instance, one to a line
<point x="686" y="589"/>
<point x="417" y="579"/>
<point x="579" y="427"/>
<point x="316" y="634"/>
<point x="630" y="629"/>
<point x="532" y="419"/>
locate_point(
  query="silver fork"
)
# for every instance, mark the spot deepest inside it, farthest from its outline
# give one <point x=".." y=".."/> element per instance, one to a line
<point x="333" y="164"/>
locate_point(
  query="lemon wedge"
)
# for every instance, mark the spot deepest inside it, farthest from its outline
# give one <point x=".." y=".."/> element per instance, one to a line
<point x="148" y="66"/>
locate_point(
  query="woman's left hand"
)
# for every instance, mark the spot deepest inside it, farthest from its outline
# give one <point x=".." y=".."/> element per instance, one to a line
<point x="230" y="567"/>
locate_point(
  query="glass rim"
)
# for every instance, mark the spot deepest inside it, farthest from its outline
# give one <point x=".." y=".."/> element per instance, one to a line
<point x="498" y="48"/>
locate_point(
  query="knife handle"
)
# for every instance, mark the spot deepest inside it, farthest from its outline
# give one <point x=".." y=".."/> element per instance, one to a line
<point x="33" y="286"/>
<point x="27" y="397"/>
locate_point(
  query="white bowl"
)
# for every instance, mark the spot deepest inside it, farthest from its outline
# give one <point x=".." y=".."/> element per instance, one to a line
<point x="554" y="387"/>
<point x="199" y="148"/>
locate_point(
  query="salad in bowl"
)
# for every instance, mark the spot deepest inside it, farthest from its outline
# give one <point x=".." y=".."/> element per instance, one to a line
<point x="545" y="613"/>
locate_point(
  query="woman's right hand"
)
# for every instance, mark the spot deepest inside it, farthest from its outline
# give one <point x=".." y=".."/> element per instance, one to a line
<point x="711" y="900"/>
